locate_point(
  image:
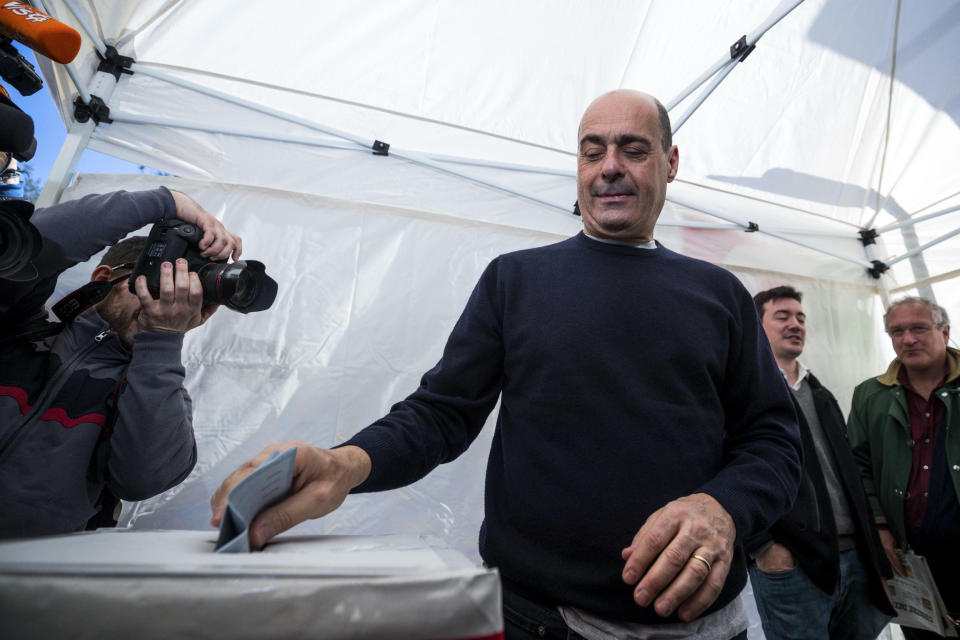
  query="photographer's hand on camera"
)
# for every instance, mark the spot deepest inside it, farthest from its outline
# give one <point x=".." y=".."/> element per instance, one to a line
<point x="180" y="305"/>
<point x="217" y="243"/>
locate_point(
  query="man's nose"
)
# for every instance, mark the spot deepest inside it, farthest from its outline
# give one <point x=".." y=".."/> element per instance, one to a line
<point x="612" y="168"/>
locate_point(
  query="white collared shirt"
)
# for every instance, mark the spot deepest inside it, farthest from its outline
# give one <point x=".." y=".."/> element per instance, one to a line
<point x="802" y="373"/>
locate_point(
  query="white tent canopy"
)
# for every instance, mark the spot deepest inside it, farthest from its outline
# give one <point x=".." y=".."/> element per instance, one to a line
<point x="846" y="117"/>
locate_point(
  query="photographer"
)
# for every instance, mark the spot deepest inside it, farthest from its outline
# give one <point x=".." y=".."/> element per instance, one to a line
<point x="94" y="409"/>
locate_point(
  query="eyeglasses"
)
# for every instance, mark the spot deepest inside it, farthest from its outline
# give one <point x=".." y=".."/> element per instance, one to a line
<point x="918" y="330"/>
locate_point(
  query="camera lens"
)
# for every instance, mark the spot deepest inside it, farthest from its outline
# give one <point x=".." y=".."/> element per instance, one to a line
<point x="19" y="244"/>
<point x="242" y="286"/>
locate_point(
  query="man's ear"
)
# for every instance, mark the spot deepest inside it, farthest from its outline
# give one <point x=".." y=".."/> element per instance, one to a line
<point x="101" y="274"/>
<point x="673" y="163"/>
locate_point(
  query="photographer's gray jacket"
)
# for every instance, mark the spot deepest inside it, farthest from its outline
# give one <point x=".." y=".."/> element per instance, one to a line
<point x="78" y="410"/>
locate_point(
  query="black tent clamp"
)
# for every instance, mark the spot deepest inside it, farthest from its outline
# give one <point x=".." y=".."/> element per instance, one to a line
<point x="380" y="148"/>
<point x="96" y="109"/>
<point x="113" y="63"/>
<point x="752" y="227"/>
<point x="116" y="65"/>
<point x="878" y="269"/>
<point x="868" y="236"/>
<point x="739" y="49"/>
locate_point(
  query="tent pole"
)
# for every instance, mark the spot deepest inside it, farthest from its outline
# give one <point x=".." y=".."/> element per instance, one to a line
<point x="66" y="162"/>
<point x="932" y="280"/>
<point x="168" y="122"/>
<point x="870" y="251"/>
<point x="709" y="73"/>
<point x="913" y="221"/>
<point x="78" y="136"/>
<point x="164" y="122"/>
<point x="213" y="93"/>
<point x="84" y="21"/>
<point x="361" y="142"/>
<point x="426" y="162"/>
<point x="75" y="77"/>
<point x="785" y="7"/>
<point x="71" y="69"/>
<point x="232" y="131"/>
<point x="747" y="227"/>
<point x="924" y="247"/>
<point x="703" y="96"/>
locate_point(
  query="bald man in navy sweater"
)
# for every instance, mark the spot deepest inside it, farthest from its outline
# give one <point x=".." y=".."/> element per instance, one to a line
<point x="644" y="428"/>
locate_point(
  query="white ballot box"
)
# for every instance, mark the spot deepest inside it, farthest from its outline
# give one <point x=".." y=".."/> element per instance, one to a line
<point x="170" y="584"/>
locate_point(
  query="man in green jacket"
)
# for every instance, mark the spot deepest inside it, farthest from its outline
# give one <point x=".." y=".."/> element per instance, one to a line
<point x="903" y="427"/>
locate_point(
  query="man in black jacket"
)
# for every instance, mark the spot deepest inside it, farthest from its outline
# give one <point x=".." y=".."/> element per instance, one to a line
<point x="817" y="571"/>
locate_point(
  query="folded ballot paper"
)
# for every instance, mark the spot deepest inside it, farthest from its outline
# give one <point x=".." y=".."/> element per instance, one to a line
<point x="266" y="486"/>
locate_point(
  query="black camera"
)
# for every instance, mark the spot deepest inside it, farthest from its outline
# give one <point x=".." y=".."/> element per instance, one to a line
<point x="243" y="286"/>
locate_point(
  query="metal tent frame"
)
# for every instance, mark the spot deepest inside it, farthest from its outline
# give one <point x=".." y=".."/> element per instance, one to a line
<point x="103" y="85"/>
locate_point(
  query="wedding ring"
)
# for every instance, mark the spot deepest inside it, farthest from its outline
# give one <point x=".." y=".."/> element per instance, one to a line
<point x="705" y="562"/>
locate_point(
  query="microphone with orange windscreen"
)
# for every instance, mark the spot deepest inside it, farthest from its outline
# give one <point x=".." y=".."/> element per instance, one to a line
<point x="39" y="31"/>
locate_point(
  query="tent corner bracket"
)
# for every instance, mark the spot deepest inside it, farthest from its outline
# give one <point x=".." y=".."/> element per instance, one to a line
<point x="113" y="63"/>
<point x="380" y="148"/>
<point x="752" y="227"/>
<point x="96" y="109"/>
<point x="868" y="236"/>
<point x="878" y="269"/>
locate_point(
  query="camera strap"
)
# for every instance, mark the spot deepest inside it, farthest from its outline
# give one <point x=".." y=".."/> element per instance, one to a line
<point x="78" y="301"/>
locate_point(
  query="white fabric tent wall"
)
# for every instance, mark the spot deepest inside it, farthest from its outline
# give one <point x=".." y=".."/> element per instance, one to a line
<point x="368" y="294"/>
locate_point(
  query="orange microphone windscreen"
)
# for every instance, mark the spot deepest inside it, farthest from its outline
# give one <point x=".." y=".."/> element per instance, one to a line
<point x="39" y="31"/>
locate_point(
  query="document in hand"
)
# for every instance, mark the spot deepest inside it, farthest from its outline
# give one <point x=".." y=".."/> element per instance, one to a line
<point x="266" y="486"/>
<point x="917" y="599"/>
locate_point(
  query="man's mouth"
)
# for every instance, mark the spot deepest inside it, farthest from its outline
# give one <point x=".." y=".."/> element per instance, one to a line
<point x="611" y="197"/>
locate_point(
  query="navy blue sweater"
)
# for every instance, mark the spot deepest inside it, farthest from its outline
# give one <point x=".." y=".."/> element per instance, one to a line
<point x="629" y="378"/>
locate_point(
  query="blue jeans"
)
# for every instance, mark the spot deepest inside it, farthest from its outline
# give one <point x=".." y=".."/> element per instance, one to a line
<point x="527" y="620"/>
<point x="792" y="607"/>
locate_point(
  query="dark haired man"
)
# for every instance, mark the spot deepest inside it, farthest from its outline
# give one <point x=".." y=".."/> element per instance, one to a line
<point x="96" y="408"/>
<point x="817" y="571"/>
<point x="631" y="450"/>
<point x="905" y="431"/>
